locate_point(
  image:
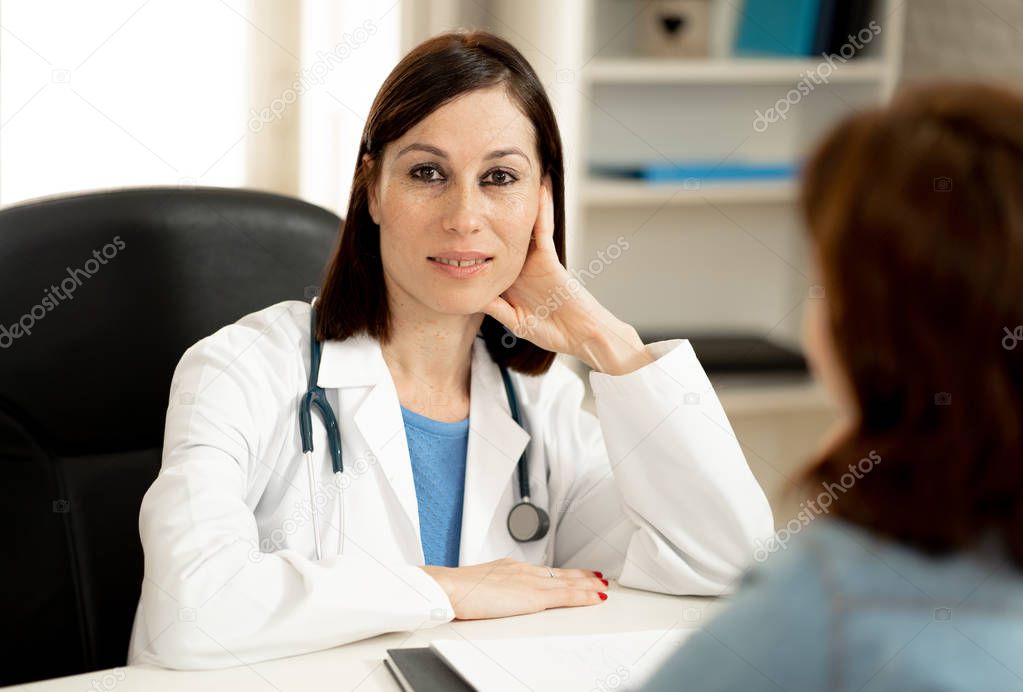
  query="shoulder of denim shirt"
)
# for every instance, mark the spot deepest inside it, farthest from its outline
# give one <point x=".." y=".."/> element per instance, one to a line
<point x="865" y="565"/>
<point x="772" y="633"/>
<point x="857" y="564"/>
<point x="795" y="550"/>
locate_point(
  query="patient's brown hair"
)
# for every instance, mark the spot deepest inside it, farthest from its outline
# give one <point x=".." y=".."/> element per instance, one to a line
<point x="916" y="212"/>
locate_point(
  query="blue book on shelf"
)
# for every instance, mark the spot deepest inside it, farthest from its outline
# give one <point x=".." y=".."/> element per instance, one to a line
<point x="718" y="171"/>
<point x="778" y="27"/>
<point x="703" y="171"/>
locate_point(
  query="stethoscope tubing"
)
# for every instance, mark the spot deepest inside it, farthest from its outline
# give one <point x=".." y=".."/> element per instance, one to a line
<point x="316" y="396"/>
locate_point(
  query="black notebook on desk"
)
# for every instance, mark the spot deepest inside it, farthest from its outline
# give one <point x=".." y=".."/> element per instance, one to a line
<point x="421" y="669"/>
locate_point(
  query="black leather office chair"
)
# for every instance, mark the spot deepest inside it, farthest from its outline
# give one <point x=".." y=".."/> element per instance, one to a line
<point x="115" y="286"/>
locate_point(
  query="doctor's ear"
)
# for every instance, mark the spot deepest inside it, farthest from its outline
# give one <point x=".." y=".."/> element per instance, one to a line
<point x="371" y="188"/>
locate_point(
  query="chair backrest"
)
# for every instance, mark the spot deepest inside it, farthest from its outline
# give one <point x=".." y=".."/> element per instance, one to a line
<point x="101" y="294"/>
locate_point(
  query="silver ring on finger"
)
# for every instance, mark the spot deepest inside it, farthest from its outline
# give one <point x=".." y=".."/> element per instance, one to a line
<point x="549" y="572"/>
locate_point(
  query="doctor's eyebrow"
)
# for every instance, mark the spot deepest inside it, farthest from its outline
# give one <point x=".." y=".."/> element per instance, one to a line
<point x="430" y="149"/>
<point x="510" y="151"/>
<point x="416" y="146"/>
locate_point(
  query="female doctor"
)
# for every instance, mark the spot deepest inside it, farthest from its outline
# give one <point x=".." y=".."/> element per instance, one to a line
<point x="415" y="508"/>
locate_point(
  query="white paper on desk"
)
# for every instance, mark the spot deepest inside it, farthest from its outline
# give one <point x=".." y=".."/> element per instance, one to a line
<point x="587" y="663"/>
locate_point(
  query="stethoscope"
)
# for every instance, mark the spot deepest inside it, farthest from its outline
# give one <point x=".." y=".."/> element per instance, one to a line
<point x="526" y="521"/>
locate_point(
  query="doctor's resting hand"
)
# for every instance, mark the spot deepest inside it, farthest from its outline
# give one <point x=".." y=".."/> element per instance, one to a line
<point x="509" y="587"/>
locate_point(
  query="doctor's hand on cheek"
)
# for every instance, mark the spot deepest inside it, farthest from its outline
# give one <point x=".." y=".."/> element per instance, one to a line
<point x="509" y="587"/>
<point x="549" y="307"/>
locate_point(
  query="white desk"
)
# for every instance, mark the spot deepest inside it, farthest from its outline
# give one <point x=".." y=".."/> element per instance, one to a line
<point x="359" y="665"/>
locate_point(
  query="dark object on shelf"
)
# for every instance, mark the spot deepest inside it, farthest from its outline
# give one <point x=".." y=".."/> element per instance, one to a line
<point x="849" y="19"/>
<point x="825" y="26"/>
<point x="737" y="353"/>
<point x="675" y="29"/>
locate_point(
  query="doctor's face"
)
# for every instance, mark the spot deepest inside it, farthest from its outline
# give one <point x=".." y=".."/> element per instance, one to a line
<point x="461" y="187"/>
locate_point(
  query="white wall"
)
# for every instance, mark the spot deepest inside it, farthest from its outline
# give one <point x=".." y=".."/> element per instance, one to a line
<point x="107" y="94"/>
<point x="964" y="39"/>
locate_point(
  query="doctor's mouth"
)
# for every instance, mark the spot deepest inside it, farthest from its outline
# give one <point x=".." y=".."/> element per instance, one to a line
<point x="461" y="264"/>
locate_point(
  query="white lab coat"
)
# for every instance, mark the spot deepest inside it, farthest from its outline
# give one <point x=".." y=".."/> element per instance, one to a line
<point x="653" y="491"/>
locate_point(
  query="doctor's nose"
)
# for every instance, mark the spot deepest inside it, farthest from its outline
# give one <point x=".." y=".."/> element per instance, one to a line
<point x="462" y="209"/>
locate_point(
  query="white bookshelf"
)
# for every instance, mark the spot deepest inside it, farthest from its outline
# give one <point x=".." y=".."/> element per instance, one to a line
<point x="598" y="193"/>
<point x="724" y="71"/>
<point x="728" y="256"/>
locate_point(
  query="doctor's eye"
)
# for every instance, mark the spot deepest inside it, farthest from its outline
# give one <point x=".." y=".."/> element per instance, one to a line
<point x="427" y="173"/>
<point x="499" y="177"/>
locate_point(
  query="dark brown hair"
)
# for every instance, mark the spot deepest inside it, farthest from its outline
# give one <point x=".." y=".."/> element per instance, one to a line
<point x="916" y="213"/>
<point x="353" y="299"/>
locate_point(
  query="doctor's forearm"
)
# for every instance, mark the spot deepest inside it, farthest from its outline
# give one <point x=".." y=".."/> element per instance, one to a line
<point x="695" y="506"/>
<point x="616" y="350"/>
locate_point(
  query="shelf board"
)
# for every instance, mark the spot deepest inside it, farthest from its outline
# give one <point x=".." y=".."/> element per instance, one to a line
<point x="728" y="71"/>
<point x="757" y="398"/>
<point x="616" y="193"/>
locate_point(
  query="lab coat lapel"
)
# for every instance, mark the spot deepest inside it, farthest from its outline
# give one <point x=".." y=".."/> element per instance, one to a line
<point x="358" y="362"/>
<point x="495" y="440"/>
<point x="495" y="443"/>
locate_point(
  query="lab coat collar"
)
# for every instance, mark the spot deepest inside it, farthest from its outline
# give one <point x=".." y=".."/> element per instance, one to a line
<point x="495" y="440"/>
<point x="354" y="362"/>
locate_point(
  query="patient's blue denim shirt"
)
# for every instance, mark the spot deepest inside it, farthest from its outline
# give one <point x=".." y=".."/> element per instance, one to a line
<point x="841" y="609"/>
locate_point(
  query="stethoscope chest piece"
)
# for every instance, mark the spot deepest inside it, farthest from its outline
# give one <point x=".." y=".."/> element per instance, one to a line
<point x="527" y="522"/>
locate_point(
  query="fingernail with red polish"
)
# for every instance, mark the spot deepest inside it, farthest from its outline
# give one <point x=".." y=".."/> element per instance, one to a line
<point x="605" y="581"/>
<point x="599" y="574"/>
<point x="603" y="596"/>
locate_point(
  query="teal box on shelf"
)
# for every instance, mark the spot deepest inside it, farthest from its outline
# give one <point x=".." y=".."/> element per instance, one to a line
<point x="777" y="28"/>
